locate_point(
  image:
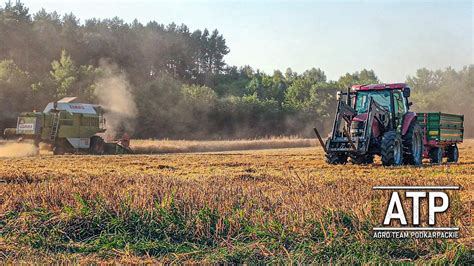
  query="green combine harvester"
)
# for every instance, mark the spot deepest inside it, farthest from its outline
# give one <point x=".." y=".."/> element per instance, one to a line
<point x="68" y="127"/>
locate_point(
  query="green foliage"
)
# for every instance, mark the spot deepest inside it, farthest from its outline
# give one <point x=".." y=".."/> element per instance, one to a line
<point x="199" y="95"/>
<point x="315" y="75"/>
<point x="64" y="74"/>
<point x="298" y="95"/>
<point x="267" y="87"/>
<point x="363" y="77"/>
<point x="207" y="234"/>
<point x="159" y="105"/>
<point x="11" y="74"/>
<point x="70" y="80"/>
<point x="446" y="90"/>
<point x="47" y="56"/>
<point x="15" y="92"/>
<point x="233" y="81"/>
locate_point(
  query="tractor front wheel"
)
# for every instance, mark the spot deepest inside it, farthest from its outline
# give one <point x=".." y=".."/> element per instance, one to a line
<point x="413" y="145"/>
<point x="362" y="159"/>
<point x="391" y="149"/>
<point x="452" y="153"/>
<point x="336" y="158"/>
<point x="436" y="155"/>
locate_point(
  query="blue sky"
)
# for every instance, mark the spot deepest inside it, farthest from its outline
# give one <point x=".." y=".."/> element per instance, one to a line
<point x="394" y="38"/>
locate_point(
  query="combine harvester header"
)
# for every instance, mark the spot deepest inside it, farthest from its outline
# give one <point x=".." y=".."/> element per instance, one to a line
<point x="69" y="127"/>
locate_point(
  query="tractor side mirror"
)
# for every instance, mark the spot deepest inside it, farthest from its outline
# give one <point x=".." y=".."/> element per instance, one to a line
<point x="338" y="95"/>
<point x="406" y="92"/>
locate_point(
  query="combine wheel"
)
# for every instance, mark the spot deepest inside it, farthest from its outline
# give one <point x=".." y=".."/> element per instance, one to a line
<point x="413" y="145"/>
<point x="58" y="149"/>
<point x="362" y="159"/>
<point x="436" y="155"/>
<point x="391" y="149"/>
<point x="336" y="158"/>
<point x="452" y="153"/>
<point x="97" y="145"/>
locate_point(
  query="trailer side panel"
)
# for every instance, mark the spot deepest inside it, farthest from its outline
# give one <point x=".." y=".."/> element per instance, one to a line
<point x="442" y="128"/>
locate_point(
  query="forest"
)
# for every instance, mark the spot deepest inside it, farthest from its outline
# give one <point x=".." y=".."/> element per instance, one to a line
<point x="170" y="81"/>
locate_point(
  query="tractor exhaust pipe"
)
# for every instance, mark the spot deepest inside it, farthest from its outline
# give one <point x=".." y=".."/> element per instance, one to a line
<point x="348" y="99"/>
<point x="320" y="140"/>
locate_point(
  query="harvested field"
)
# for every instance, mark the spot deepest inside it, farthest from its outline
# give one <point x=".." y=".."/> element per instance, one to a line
<point x="15" y="149"/>
<point x="180" y="146"/>
<point x="271" y="206"/>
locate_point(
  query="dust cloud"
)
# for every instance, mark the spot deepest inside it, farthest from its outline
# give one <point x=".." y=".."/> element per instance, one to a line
<point x="12" y="150"/>
<point x="114" y="93"/>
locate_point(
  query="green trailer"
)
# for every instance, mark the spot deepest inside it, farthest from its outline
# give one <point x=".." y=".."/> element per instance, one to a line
<point x="442" y="133"/>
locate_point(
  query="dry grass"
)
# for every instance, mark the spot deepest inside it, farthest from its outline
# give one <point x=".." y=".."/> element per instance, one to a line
<point x="181" y="146"/>
<point x="272" y="205"/>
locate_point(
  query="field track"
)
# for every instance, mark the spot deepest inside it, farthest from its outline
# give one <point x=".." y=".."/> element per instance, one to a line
<point x="185" y="146"/>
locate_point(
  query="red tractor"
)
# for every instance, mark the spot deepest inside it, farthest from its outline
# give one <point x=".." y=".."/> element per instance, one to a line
<point x="375" y="120"/>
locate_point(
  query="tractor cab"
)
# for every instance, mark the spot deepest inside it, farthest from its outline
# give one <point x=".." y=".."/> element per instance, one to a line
<point x="389" y="96"/>
<point x="393" y="98"/>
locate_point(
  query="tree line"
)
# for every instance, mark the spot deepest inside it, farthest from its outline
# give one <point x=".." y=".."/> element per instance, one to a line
<point x="179" y="80"/>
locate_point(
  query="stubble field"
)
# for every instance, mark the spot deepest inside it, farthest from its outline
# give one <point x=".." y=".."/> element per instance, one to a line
<point x="282" y="205"/>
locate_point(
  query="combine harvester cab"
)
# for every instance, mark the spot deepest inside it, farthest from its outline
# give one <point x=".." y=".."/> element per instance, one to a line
<point x="376" y="120"/>
<point x="69" y="127"/>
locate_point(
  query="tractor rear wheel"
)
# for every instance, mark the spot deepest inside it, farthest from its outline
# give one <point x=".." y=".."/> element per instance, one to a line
<point x="362" y="158"/>
<point x="336" y="158"/>
<point x="413" y="145"/>
<point x="452" y="152"/>
<point x="97" y="145"/>
<point x="391" y="149"/>
<point x="436" y="155"/>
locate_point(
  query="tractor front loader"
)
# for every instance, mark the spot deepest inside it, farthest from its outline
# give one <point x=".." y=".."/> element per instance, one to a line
<point x="352" y="137"/>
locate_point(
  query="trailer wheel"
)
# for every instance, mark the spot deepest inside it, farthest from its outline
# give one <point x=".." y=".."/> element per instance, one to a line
<point x="362" y="159"/>
<point x="452" y="153"/>
<point x="413" y="145"/>
<point x="391" y="149"/>
<point x="97" y="145"/>
<point x="336" y="158"/>
<point x="436" y="155"/>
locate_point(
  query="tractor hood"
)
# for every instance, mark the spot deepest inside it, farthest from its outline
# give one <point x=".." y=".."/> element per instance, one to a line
<point x="360" y="117"/>
<point x="375" y="124"/>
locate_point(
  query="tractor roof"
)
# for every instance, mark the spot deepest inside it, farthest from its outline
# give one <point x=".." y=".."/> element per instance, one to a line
<point x="370" y="87"/>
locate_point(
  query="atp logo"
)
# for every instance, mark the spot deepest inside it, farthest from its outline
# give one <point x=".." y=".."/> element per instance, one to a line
<point x="433" y="199"/>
